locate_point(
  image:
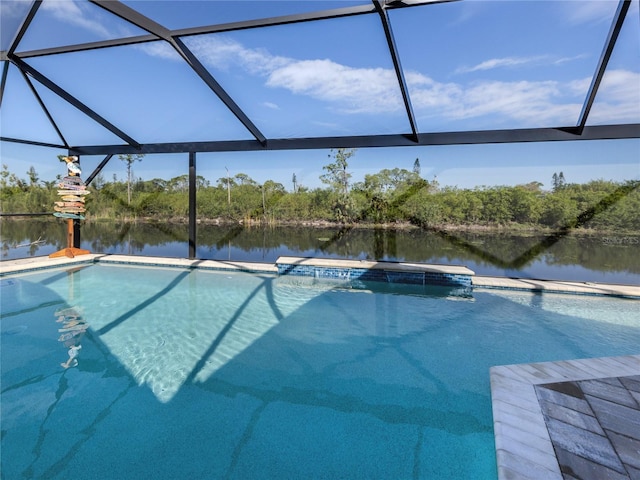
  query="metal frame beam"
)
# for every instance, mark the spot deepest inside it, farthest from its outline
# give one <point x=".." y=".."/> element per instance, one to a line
<point x="135" y="18"/>
<point x="31" y="142"/>
<point x="26" y="68"/>
<point x="3" y="80"/>
<point x="159" y="33"/>
<point x="614" y="31"/>
<point x="44" y="108"/>
<point x="395" y="57"/>
<point x="83" y="47"/>
<point x="225" y="27"/>
<point x="204" y="74"/>
<point x="182" y="32"/>
<point x="596" y="132"/>
<point x="192" y="204"/>
<point x="23" y="28"/>
<point x="98" y="169"/>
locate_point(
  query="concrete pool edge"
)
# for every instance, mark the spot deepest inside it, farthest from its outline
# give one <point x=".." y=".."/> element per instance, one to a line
<point x="31" y="264"/>
<point x="555" y="286"/>
<point x="28" y="265"/>
<point x="524" y="448"/>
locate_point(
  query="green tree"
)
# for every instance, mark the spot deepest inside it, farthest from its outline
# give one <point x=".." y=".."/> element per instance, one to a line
<point x="558" y="211"/>
<point x="98" y="181"/>
<point x="244" y="179"/>
<point x="33" y="176"/>
<point x="272" y="192"/>
<point x="129" y="159"/>
<point x="224" y="182"/>
<point x="496" y="205"/>
<point x="416" y="167"/>
<point x="4" y="176"/>
<point x="557" y="181"/>
<point x="337" y="176"/>
<point x="525" y="205"/>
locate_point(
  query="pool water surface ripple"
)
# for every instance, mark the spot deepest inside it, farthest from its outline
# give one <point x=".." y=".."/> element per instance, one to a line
<point x="205" y="374"/>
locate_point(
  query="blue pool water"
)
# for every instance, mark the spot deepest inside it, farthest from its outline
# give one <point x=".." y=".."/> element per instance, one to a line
<point x="203" y="374"/>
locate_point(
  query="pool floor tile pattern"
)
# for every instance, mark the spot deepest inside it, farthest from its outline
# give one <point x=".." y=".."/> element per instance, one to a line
<point x="569" y="420"/>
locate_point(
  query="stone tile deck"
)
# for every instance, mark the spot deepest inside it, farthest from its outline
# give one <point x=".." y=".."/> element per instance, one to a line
<point x="575" y="419"/>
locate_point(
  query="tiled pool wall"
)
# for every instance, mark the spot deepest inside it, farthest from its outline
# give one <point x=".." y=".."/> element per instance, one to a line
<point x="375" y="275"/>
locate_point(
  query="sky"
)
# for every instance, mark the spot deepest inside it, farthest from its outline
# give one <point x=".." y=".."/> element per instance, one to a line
<point x="469" y="65"/>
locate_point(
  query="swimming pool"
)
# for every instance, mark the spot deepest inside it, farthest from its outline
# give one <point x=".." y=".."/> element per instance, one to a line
<point x="208" y="374"/>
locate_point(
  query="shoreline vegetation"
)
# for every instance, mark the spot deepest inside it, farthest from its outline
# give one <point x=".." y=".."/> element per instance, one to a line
<point x="506" y="229"/>
<point x="509" y="229"/>
<point x="390" y="199"/>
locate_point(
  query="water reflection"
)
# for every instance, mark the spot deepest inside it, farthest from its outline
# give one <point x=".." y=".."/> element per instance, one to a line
<point x="606" y="258"/>
<point x="73" y="328"/>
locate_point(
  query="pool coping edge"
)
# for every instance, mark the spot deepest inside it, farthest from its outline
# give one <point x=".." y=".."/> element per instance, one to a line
<point x="31" y="264"/>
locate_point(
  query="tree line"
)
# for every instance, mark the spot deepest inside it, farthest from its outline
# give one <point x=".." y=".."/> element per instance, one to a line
<point x="394" y="195"/>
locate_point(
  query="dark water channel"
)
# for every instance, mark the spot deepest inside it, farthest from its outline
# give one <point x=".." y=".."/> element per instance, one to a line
<point x="605" y="258"/>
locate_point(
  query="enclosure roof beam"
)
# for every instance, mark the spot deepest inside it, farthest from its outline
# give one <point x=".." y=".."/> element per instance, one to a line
<point x="614" y="31"/>
<point x="23" y="28"/>
<point x="3" y="80"/>
<point x="225" y="27"/>
<point x="25" y="67"/>
<point x="393" y="51"/>
<point x="44" y="108"/>
<point x="82" y="47"/>
<point x="98" y="169"/>
<point x="597" y="132"/>
<point x="136" y="18"/>
<point x="31" y="142"/>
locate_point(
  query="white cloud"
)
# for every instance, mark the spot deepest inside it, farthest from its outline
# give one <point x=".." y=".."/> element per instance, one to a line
<point x="618" y="98"/>
<point x="524" y="101"/>
<point x="510" y="62"/>
<point x="222" y="53"/>
<point x="14" y="9"/>
<point x="562" y="60"/>
<point x="271" y="105"/>
<point x="521" y="101"/>
<point x="159" y="49"/>
<point x="542" y="102"/>
<point x="430" y="95"/>
<point x="72" y="13"/>
<point x="588" y="11"/>
<point x="500" y="63"/>
<point x="352" y="90"/>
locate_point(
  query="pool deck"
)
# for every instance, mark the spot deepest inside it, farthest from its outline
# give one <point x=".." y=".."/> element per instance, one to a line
<point x="566" y="420"/>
